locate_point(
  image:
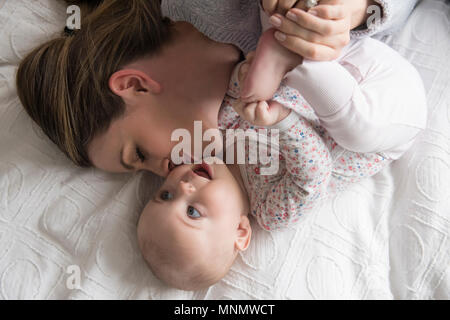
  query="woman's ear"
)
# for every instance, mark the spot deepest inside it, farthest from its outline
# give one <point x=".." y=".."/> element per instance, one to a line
<point x="129" y="82"/>
<point x="244" y="234"/>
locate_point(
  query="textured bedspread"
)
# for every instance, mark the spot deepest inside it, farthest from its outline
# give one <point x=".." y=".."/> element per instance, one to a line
<point x="385" y="238"/>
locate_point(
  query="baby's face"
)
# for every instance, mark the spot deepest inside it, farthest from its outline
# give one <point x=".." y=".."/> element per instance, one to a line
<point x="201" y="207"/>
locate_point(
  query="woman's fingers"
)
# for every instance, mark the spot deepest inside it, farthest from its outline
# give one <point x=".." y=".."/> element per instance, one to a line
<point x="290" y="27"/>
<point x="319" y="36"/>
<point x="330" y="12"/>
<point x="323" y="26"/>
<point x="270" y="6"/>
<point x="306" y="49"/>
<point x="319" y="33"/>
<point x="302" y="3"/>
<point x="285" y="5"/>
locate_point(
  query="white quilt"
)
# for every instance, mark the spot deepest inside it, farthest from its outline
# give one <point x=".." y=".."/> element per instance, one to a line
<point x="385" y="238"/>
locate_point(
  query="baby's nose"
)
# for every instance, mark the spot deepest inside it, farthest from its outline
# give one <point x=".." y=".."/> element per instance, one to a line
<point x="186" y="187"/>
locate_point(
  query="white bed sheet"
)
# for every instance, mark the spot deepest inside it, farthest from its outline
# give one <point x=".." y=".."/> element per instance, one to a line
<point x="385" y="238"/>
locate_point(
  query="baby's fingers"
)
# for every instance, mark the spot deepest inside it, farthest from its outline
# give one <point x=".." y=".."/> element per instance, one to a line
<point x="263" y="117"/>
<point x="249" y="112"/>
<point x="245" y="110"/>
<point x="260" y="113"/>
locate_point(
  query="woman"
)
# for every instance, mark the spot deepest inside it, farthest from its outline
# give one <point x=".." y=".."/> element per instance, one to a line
<point x="111" y="94"/>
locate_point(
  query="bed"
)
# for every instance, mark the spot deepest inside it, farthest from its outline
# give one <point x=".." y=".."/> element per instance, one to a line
<point x="385" y="238"/>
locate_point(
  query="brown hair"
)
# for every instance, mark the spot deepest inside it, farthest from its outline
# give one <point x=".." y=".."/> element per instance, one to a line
<point x="64" y="83"/>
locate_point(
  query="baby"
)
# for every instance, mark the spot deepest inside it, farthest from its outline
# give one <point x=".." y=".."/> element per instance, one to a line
<point x="192" y="230"/>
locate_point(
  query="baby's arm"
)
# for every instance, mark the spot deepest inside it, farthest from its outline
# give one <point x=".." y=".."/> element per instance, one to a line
<point x="262" y="113"/>
<point x="303" y="183"/>
<point x="351" y="167"/>
<point x="269" y="66"/>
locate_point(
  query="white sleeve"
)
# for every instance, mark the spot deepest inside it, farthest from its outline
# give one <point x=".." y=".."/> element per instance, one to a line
<point x="370" y="100"/>
<point x="394" y="16"/>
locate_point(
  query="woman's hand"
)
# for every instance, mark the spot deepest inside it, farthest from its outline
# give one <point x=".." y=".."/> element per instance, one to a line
<point x="322" y="32"/>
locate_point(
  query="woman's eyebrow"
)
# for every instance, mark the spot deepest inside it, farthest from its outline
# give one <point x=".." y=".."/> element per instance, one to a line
<point x="122" y="162"/>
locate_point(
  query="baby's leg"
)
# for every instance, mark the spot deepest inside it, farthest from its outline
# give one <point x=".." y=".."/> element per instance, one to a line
<point x="270" y="64"/>
<point x="352" y="167"/>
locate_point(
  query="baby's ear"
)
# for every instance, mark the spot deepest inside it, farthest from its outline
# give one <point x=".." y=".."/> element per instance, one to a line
<point x="244" y="234"/>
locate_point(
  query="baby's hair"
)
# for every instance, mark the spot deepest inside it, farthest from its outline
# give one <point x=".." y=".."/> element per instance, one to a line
<point x="162" y="264"/>
<point x="162" y="261"/>
<point x="64" y="84"/>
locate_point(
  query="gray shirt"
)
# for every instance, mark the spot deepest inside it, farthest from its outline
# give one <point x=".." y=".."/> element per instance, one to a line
<point x="237" y="21"/>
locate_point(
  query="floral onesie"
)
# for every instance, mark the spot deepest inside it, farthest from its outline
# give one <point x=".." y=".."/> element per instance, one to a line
<point x="311" y="165"/>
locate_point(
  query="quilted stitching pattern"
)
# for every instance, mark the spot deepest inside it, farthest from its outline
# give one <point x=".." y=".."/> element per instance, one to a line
<point x="387" y="237"/>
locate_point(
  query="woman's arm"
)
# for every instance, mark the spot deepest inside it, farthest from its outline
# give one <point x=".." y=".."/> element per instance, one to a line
<point x="393" y="16"/>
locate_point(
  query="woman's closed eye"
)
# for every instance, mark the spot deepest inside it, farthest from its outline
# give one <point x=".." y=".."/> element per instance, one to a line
<point x="193" y="213"/>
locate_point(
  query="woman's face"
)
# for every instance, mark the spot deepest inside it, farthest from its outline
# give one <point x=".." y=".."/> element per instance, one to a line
<point x="193" y="73"/>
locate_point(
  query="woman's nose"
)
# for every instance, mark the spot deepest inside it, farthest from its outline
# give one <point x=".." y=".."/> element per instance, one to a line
<point x="160" y="167"/>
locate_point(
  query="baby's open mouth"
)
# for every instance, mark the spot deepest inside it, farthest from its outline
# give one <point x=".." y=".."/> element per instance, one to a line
<point x="203" y="170"/>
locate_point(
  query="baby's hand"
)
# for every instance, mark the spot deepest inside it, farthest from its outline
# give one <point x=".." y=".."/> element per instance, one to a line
<point x="261" y="113"/>
<point x="258" y="113"/>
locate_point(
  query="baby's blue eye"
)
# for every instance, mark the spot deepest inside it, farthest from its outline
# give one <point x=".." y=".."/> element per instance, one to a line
<point x="166" y="195"/>
<point x="193" y="213"/>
